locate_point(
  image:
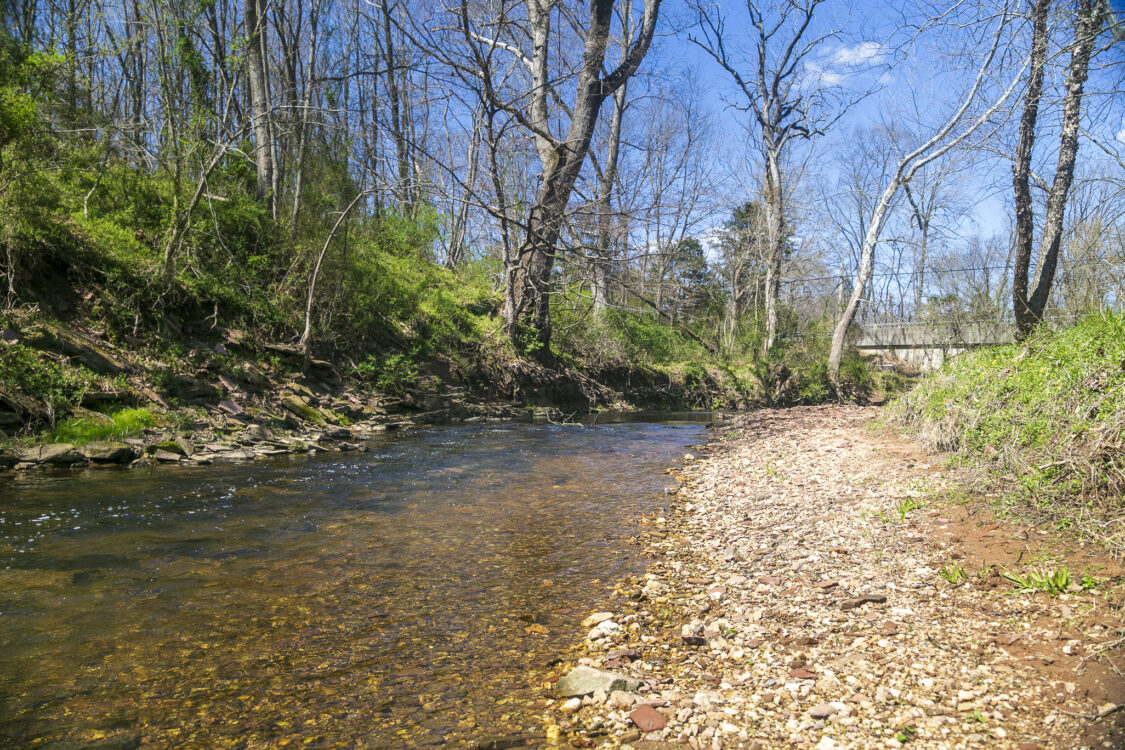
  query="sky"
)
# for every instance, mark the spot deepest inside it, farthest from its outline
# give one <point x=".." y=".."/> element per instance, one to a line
<point x="869" y="54"/>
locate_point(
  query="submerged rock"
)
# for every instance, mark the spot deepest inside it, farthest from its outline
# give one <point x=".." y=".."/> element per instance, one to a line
<point x="582" y="681"/>
<point x="499" y="743"/>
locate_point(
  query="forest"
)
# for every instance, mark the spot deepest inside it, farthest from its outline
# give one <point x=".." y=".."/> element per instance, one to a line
<point x="687" y="186"/>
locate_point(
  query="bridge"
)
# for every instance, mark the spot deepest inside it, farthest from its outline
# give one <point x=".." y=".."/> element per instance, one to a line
<point x="928" y="345"/>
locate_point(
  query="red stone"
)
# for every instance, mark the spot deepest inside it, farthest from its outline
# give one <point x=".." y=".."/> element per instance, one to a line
<point x="802" y="674"/>
<point x="647" y="718"/>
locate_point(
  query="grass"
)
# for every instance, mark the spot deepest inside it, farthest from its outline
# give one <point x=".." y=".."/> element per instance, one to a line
<point x="1050" y="582"/>
<point x="1044" y="421"/>
<point x="119" y="425"/>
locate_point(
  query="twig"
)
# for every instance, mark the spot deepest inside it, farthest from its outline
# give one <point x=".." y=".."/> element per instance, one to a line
<point x="1094" y="654"/>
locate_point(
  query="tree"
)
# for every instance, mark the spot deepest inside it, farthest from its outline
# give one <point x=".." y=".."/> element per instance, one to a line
<point x="787" y="105"/>
<point x="957" y="128"/>
<point x="256" y="73"/>
<point x="527" y="321"/>
<point x="1088" y="20"/>
<point x="744" y="248"/>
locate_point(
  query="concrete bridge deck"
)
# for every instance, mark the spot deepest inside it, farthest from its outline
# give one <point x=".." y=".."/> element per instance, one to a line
<point x="928" y="345"/>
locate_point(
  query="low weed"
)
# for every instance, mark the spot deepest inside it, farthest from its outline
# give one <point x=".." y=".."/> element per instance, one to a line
<point x="390" y="372"/>
<point x="1038" y="420"/>
<point x="905" y="734"/>
<point x="57" y="385"/>
<point x="1050" y="582"/>
<point x="955" y="575"/>
<point x="906" y="506"/>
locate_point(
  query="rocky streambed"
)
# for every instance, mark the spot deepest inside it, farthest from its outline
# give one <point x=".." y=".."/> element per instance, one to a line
<point x="821" y="585"/>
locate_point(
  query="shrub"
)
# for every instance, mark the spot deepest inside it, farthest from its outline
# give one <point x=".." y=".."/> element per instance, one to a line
<point x="57" y="385"/>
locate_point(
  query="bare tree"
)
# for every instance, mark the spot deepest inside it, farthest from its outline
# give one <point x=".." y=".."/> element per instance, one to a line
<point x="786" y="106"/>
<point x="957" y="128"/>
<point x="1088" y="22"/>
<point x="527" y="310"/>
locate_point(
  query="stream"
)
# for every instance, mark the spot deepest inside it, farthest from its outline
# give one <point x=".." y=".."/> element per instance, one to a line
<point x="377" y="599"/>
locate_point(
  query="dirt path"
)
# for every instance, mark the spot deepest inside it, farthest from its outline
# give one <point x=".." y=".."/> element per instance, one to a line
<point x="797" y="601"/>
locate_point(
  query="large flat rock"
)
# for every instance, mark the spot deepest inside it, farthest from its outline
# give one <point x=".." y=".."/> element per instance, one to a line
<point x="53" y="453"/>
<point x="109" y="452"/>
<point x="585" y="680"/>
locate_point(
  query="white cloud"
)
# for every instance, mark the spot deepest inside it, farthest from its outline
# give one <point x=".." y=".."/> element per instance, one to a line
<point x="860" y="54"/>
<point x="1121" y="133"/>
<point x="819" y="76"/>
<point x="837" y="67"/>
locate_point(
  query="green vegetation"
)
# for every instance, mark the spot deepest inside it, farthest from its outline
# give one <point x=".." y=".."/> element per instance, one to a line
<point x="905" y="734"/>
<point x="1050" y="582"/>
<point x="905" y="506"/>
<point x="162" y="254"/>
<point x="954" y="574"/>
<point x="52" y="381"/>
<point x="1043" y="417"/>
<point x="117" y="425"/>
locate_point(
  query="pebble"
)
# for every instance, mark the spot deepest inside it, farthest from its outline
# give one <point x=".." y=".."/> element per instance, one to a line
<point x="780" y="603"/>
<point x="571" y="706"/>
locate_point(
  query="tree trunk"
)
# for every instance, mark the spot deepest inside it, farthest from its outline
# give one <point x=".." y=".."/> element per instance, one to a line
<point x="306" y="334"/>
<point x="866" y="268"/>
<point x="303" y="125"/>
<point x="259" y="102"/>
<point x="1021" y="169"/>
<point x="1029" y="310"/>
<point x="456" y="252"/>
<point x="601" y="274"/>
<point x="527" y="321"/>
<point x="774" y="205"/>
<point x="403" y="187"/>
<point x="921" y="218"/>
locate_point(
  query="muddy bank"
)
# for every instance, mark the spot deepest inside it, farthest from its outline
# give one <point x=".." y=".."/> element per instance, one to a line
<point x="822" y="585"/>
<point x="238" y="398"/>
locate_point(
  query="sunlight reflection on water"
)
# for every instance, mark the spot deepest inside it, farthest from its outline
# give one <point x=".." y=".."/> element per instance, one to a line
<point x="372" y="599"/>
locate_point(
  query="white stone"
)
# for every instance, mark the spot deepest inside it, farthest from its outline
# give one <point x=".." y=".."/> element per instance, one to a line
<point x="571" y="706"/>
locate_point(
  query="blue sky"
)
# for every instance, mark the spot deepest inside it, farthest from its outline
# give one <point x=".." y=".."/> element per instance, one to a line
<point x="855" y="61"/>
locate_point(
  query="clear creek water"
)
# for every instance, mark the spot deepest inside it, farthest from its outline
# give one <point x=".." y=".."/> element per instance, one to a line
<point x="360" y="600"/>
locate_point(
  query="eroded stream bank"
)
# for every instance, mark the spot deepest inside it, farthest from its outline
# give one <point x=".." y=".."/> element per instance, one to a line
<point x="399" y="597"/>
<point x="798" y="601"/>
